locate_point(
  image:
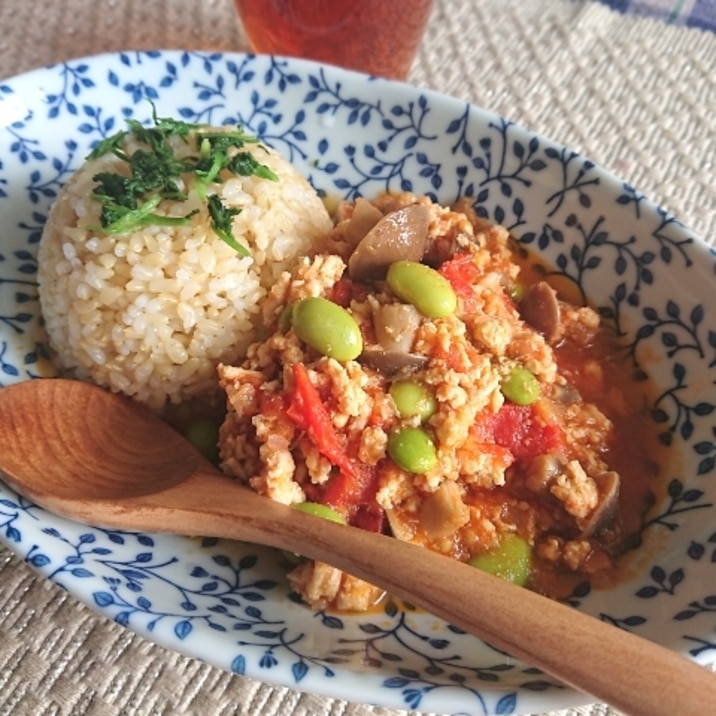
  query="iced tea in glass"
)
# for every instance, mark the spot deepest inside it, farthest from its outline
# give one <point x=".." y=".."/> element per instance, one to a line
<point x="380" y="37"/>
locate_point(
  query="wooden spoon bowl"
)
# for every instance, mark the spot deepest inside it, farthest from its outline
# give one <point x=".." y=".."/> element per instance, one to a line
<point x="98" y="458"/>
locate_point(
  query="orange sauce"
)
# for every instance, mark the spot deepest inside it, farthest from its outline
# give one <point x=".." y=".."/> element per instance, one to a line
<point x="623" y="394"/>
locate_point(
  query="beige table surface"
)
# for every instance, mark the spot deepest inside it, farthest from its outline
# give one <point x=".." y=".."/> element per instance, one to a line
<point x="635" y="95"/>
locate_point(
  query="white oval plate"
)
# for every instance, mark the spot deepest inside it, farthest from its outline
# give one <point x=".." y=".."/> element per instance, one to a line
<point x="227" y="603"/>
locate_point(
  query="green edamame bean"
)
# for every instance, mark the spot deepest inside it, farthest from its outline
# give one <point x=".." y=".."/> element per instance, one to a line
<point x="516" y="291"/>
<point x="413" y="450"/>
<point x="511" y="560"/>
<point x="412" y="399"/>
<point x="318" y="510"/>
<point x="423" y="287"/>
<point x="285" y="318"/>
<point x="204" y="436"/>
<point x="520" y="386"/>
<point x="327" y="327"/>
<point x="293" y="558"/>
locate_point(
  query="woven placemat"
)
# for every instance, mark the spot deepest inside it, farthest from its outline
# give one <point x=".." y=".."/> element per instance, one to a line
<point x="633" y="94"/>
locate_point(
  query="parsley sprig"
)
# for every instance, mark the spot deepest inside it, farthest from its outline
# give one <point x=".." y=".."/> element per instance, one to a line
<point x="154" y="173"/>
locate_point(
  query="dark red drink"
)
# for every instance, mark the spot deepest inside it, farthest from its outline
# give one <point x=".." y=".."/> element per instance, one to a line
<point x="375" y="36"/>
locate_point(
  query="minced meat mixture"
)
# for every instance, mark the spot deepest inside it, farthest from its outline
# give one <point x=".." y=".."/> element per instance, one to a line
<point x="471" y="406"/>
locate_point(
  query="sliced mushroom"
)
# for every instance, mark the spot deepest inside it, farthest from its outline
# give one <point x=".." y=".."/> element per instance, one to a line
<point x="443" y="512"/>
<point x="400" y="235"/>
<point x="395" y="325"/>
<point x="542" y="470"/>
<point x="390" y="363"/>
<point x="540" y="308"/>
<point x="606" y="509"/>
<point x="566" y="394"/>
<point x="401" y="526"/>
<point x="365" y="216"/>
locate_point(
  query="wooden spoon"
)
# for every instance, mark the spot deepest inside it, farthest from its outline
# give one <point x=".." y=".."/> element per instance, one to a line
<point x="95" y="457"/>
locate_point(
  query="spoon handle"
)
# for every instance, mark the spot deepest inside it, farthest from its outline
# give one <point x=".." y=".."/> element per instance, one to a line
<point x="632" y="674"/>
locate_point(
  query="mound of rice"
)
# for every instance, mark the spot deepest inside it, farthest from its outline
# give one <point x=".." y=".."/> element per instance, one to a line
<point x="151" y="313"/>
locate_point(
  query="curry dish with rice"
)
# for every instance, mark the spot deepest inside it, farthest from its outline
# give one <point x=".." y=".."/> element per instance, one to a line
<point x="398" y="366"/>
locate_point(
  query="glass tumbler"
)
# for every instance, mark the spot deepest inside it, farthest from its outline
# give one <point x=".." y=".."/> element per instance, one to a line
<point x="380" y="37"/>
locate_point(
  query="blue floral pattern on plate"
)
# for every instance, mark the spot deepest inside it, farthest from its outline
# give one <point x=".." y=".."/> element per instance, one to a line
<point x="227" y="603"/>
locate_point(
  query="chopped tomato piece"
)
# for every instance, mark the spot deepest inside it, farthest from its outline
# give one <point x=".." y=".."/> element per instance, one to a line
<point x="342" y="292"/>
<point x="307" y="410"/>
<point x="519" y="429"/>
<point x="462" y="273"/>
<point x="344" y="491"/>
<point x="370" y="517"/>
<point x="352" y="490"/>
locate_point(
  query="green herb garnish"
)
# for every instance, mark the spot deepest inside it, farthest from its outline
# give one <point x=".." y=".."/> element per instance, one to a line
<point x="222" y="221"/>
<point x="124" y="221"/>
<point x="154" y="172"/>
<point x="246" y="164"/>
<point x="113" y="145"/>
